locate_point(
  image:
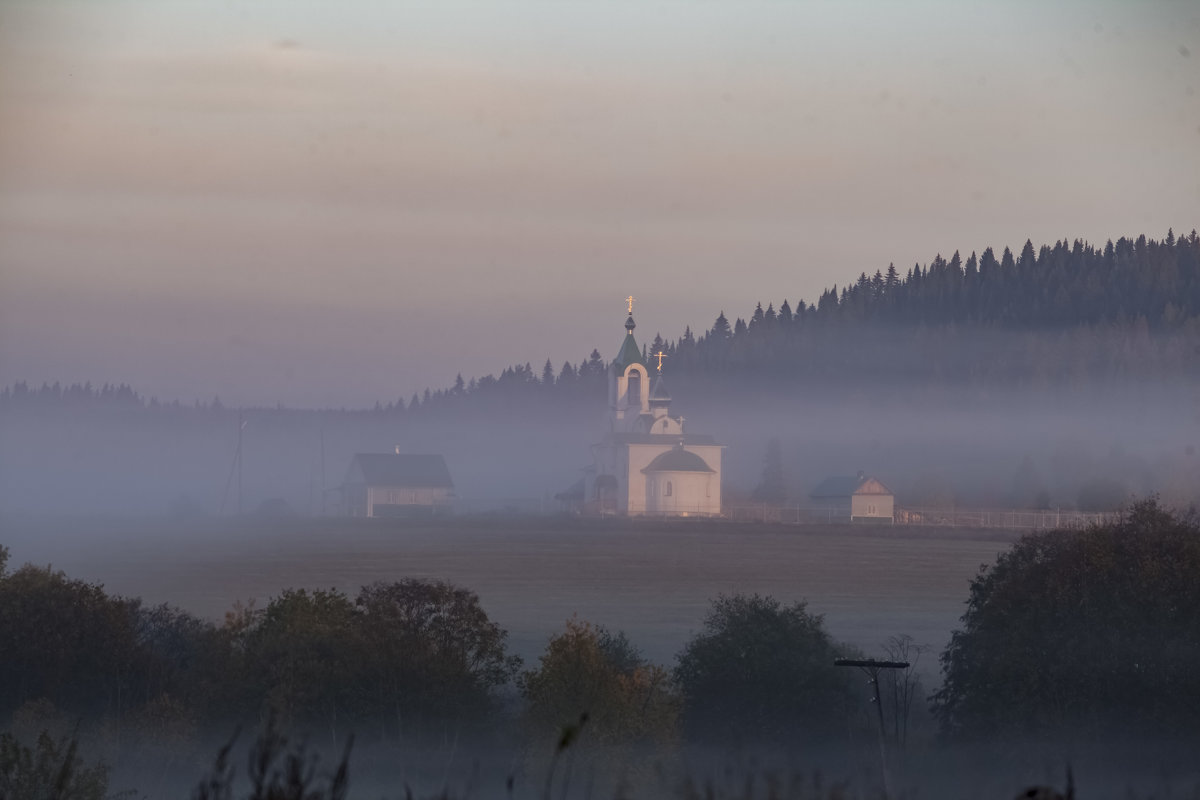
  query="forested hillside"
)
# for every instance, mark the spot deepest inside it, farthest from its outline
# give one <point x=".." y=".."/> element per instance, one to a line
<point x="1069" y="314"/>
<point x="1066" y="315"/>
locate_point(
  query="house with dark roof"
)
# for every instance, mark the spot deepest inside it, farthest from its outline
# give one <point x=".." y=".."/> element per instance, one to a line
<point x="397" y="485"/>
<point x="855" y="497"/>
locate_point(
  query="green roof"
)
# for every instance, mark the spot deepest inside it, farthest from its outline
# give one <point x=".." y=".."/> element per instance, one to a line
<point x="630" y="354"/>
<point x="660" y="392"/>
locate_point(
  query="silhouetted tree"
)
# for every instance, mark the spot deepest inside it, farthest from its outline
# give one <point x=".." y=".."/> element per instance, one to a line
<point x="761" y="671"/>
<point x="433" y="653"/>
<point x="1091" y="628"/>
<point x="771" y="487"/>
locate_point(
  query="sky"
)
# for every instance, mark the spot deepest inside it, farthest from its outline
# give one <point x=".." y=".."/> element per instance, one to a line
<point x="329" y="204"/>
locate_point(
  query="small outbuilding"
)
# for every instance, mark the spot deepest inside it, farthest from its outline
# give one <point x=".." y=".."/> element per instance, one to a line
<point x="855" y="497"/>
<point x="397" y="485"/>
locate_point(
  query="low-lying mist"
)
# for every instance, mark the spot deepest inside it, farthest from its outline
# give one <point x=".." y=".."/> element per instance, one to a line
<point x="967" y="448"/>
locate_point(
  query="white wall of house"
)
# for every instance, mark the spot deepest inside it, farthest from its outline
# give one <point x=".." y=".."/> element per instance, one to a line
<point x="872" y="506"/>
<point x="407" y="496"/>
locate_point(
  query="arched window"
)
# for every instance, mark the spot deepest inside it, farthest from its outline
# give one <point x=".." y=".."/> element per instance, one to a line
<point x="670" y="488"/>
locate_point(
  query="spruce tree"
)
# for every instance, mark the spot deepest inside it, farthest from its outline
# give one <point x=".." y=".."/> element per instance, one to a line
<point x="720" y="329"/>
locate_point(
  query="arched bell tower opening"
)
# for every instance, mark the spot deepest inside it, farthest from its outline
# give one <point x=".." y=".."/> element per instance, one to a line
<point x="633" y="386"/>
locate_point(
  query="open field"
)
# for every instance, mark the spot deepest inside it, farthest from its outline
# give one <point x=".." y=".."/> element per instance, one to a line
<point x="653" y="580"/>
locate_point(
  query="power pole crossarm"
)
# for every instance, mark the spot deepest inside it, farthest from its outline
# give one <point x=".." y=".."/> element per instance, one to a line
<point x="871" y="666"/>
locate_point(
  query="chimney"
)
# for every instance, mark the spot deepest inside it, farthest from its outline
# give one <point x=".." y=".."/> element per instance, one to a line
<point x="398" y="450"/>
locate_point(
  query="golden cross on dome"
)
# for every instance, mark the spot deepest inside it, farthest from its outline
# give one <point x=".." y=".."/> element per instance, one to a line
<point x="629" y="300"/>
<point x="660" y="355"/>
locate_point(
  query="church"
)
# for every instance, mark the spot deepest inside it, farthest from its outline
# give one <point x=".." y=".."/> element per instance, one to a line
<point x="646" y="463"/>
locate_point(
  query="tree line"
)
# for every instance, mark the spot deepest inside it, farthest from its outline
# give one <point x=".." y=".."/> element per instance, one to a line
<point x="1067" y="314"/>
<point x="403" y="661"/>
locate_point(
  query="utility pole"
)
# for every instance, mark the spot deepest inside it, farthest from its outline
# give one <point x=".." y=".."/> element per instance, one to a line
<point x="322" y="421"/>
<point x="241" y="427"/>
<point x="871" y="667"/>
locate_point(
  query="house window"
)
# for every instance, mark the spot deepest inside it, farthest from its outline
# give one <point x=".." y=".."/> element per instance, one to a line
<point x="670" y="489"/>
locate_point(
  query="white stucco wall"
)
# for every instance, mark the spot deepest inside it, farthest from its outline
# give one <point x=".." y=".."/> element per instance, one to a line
<point x="690" y="493"/>
<point x="872" y="506"/>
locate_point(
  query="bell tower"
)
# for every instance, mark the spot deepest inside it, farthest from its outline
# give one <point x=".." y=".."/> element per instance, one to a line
<point x="628" y="378"/>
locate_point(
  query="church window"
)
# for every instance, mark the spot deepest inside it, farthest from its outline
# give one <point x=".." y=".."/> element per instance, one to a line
<point x="670" y="488"/>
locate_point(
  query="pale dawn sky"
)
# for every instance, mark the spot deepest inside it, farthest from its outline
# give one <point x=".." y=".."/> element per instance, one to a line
<point x="333" y="203"/>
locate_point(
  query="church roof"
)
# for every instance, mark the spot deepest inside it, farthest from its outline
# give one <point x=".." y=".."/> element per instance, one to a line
<point x="630" y="354"/>
<point x="401" y="469"/>
<point x="678" y="460"/>
<point x="660" y="391"/>
<point x="661" y="438"/>
<point x="847" y="485"/>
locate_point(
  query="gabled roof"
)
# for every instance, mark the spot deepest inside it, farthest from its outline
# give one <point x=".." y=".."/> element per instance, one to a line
<point x="678" y="460"/>
<point x="400" y="469"/>
<point x="847" y="485"/>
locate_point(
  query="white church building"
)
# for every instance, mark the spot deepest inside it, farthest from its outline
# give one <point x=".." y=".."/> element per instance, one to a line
<point x="646" y="464"/>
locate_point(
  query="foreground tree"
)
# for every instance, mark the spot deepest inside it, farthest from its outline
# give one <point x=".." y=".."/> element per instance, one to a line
<point x="587" y="670"/>
<point x="1092" y="628"/>
<point x="307" y="656"/>
<point x="762" y="671"/>
<point x="66" y="641"/>
<point x="433" y="653"/>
